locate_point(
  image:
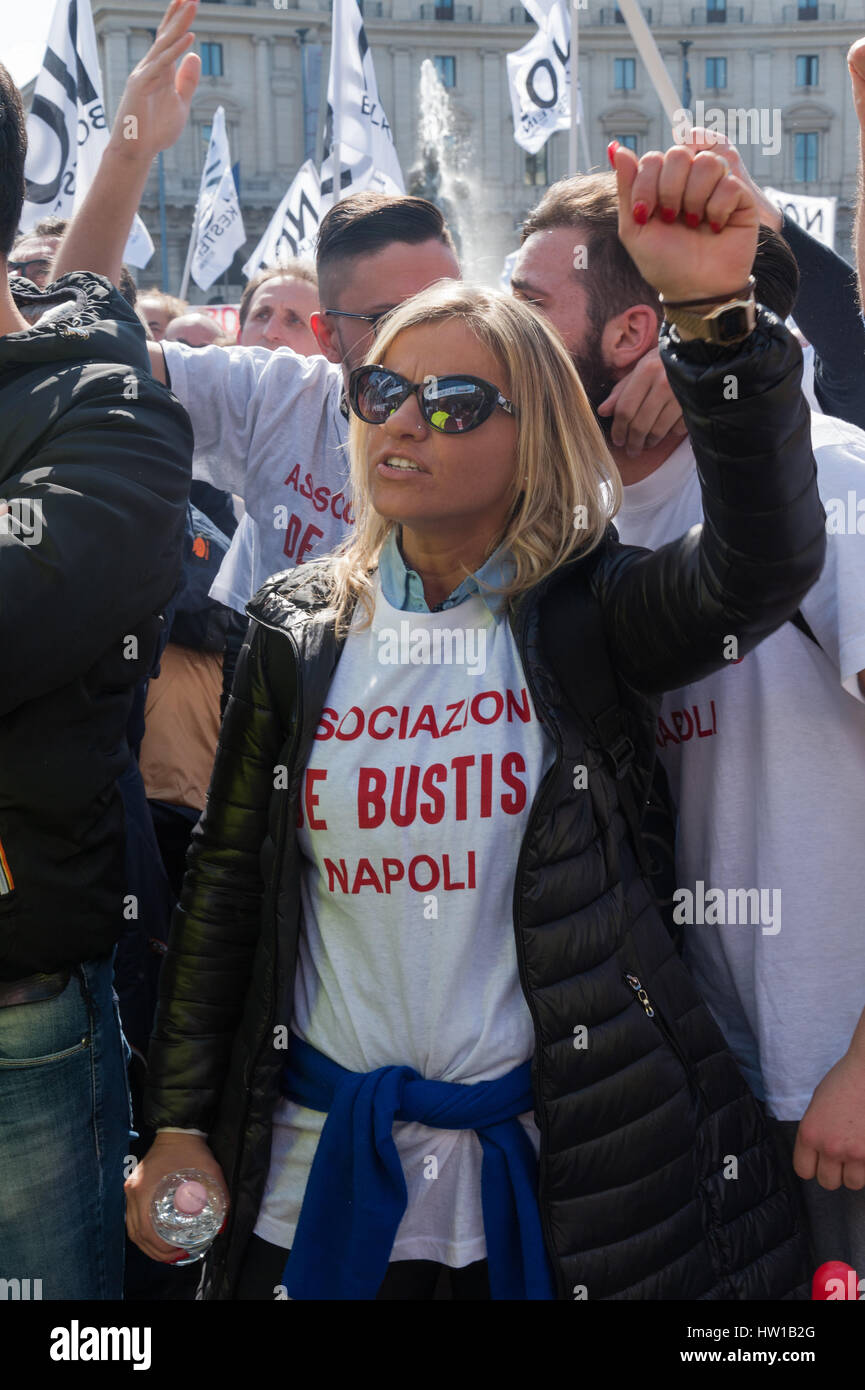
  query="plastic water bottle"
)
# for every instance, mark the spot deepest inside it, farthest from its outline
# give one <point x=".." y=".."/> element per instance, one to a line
<point x="187" y="1210"/>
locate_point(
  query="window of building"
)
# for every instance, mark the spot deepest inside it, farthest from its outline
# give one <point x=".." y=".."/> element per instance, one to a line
<point x="624" y="74"/>
<point x="446" y="67"/>
<point x="716" y="11"/>
<point x="716" y="72"/>
<point x="206" y="131"/>
<point x="536" y="170"/>
<point x="629" y="141"/>
<point x="807" y="70"/>
<point x="211" y="60"/>
<point x="808" y="9"/>
<point x="806" y="152"/>
<point x="444" y="9"/>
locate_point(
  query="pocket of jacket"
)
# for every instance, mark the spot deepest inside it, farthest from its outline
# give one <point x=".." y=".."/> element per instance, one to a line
<point x="652" y="1012"/>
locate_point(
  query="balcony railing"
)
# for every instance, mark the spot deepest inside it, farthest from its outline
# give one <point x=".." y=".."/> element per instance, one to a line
<point x="371" y="9"/>
<point x="458" y="14"/>
<point x="815" y="12"/>
<point x="733" y="14"/>
<point x="613" y="15"/>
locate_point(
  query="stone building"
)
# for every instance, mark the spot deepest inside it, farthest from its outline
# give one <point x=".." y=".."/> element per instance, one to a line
<point x="768" y="56"/>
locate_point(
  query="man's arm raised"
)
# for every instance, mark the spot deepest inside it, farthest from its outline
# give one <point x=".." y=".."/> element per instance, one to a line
<point x="152" y="113"/>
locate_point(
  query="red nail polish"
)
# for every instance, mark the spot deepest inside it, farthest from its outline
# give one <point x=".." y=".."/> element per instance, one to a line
<point x="716" y="227"/>
<point x="668" y="214"/>
<point x="611" y="152"/>
<point x="641" y="213"/>
<point x="692" y="219"/>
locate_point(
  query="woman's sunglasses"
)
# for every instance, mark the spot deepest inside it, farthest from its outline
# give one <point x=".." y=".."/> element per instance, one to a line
<point x="450" y="404"/>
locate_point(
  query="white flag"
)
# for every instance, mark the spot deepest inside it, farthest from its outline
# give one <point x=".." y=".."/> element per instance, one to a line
<point x="293" y="227"/>
<point x="67" y="131"/>
<point x="358" y="140"/>
<point x="219" y="229"/>
<point x="813" y="215"/>
<point x="540" y="77"/>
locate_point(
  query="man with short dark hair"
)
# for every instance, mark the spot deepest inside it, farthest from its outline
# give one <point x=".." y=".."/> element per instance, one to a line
<point x="94" y="476"/>
<point x="766" y="760"/>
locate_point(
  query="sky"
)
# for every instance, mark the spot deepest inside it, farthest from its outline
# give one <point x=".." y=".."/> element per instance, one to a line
<point x="23" y="35"/>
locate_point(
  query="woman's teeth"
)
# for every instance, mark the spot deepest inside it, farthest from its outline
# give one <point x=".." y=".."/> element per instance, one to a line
<point x="402" y="463"/>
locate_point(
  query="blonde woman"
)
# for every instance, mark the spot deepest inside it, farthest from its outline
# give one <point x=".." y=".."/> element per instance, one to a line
<point x="419" y="1011"/>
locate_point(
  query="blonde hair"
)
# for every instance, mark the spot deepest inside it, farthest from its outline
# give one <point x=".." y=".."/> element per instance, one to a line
<point x="565" y="487"/>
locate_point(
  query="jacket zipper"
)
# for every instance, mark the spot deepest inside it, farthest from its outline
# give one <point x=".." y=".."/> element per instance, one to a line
<point x="278" y="867"/>
<point x="663" y="1028"/>
<point x="540" y="1116"/>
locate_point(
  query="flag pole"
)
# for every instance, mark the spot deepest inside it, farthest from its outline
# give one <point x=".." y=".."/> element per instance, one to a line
<point x="644" y="42"/>
<point x="573" y="163"/>
<point x="336" y="67"/>
<point x="184" y="284"/>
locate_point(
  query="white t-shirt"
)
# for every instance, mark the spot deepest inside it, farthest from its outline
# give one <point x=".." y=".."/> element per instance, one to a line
<point x="407" y="953"/>
<point x="267" y="426"/>
<point x="766" y="762"/>
<point x="234" y="584"/>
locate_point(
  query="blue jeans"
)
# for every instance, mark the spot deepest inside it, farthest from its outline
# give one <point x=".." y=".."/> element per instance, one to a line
<point x="64" y="1135"/>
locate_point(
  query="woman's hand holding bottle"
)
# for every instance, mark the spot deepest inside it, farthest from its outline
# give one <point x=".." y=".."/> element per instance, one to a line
<point x="170" y="1153"/>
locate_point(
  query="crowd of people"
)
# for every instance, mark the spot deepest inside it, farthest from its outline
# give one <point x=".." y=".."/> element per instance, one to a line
<point x="568" y="1006"/>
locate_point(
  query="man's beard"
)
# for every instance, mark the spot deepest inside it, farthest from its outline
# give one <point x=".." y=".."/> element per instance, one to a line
<point x="596" y="378"/>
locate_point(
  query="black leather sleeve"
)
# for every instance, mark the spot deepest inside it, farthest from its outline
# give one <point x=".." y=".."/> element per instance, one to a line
<point x="208" y="968"/>
<point x="669" y="614"/>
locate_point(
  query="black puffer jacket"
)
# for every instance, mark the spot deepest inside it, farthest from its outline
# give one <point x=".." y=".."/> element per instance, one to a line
<point x="100" y="454"/>
<point x="635" y="1128"/>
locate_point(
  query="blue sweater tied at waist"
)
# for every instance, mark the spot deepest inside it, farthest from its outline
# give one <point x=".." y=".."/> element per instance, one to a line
<point x="356" y="1193"/>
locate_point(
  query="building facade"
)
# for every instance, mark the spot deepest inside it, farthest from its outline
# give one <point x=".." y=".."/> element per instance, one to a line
<point x="267" y="64"/>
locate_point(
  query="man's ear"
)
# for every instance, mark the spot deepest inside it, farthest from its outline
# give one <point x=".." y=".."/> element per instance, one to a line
<point x="325" y="337"/>
<point x="629" y="336"/>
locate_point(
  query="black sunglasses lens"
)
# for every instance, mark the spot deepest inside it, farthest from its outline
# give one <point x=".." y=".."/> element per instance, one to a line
<point x="454" y="404"/>
<point x="377" y="394"/>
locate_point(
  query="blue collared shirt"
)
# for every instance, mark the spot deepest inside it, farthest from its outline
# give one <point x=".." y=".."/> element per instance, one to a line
<point x="403" y="588"/>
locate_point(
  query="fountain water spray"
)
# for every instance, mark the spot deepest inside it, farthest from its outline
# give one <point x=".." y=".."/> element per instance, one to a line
<point x="443" y="175"/>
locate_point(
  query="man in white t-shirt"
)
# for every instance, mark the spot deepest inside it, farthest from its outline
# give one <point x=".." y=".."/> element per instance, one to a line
<point x="269" y="425"/>
<point x="766" y="760"/>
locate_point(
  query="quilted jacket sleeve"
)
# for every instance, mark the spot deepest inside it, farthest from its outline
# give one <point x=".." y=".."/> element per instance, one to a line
<point x="215" y="930"/>
<point x="670" y="614"/>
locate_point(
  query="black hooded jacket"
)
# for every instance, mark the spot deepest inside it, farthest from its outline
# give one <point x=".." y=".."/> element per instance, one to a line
<point x="95" y="466"/>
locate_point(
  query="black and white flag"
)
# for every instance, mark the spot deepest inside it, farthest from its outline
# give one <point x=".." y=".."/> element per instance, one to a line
<point x="67" y="130"/>
<point x="219" y="231"/>
<point x="540" y="78"/>
<point x="292" y="229"/>
<point x="358" y="139"/>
